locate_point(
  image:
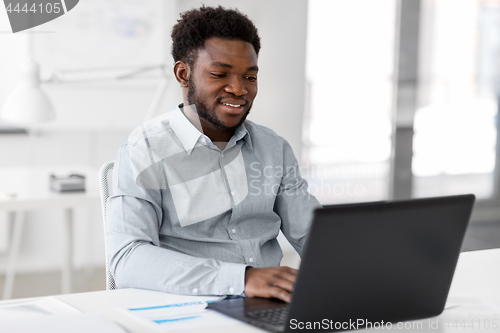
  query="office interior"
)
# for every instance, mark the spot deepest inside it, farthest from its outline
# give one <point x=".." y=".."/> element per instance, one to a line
<point x="380" y="100"/>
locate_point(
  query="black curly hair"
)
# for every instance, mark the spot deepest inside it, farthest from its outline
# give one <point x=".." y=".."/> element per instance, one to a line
<point x="197" y="25"/>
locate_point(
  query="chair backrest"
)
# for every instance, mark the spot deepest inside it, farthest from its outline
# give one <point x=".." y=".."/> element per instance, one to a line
<point x="105" y="182"/>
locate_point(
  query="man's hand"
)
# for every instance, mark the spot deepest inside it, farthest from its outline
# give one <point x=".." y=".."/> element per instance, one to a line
<point x="270" y="282"/>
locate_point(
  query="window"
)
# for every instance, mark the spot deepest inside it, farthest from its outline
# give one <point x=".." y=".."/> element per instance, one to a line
<point x="445" y="139"/>
<point x="347" y="131"/>
<point x="455" y="126"/>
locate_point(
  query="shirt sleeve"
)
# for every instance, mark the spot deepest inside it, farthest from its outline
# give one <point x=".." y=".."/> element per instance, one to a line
<point x="136" y="259"/>
<point x="294" y="204"/>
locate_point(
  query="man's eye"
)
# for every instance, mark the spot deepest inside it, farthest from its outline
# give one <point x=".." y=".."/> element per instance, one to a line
<point x="251" y="78"/>
<point x="218" y="75"/>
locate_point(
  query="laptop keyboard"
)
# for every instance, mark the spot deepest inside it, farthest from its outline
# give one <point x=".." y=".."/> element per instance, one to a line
<point x="275" y="317"/>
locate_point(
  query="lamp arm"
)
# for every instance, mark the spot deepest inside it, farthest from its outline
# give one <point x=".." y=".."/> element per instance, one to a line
<point x="142" y="70"/>
<point x="58" y="76"/>
<point x="156" y="98"/>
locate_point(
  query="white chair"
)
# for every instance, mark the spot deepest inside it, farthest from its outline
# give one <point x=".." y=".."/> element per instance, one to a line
<point x="105" y="181"/>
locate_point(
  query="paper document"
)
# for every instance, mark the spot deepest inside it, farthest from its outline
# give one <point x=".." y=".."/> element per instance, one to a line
<point x="185" y="314"/>
<point x="79" y="323"/>
<point x="461" y="315"/>
<point x="47" y="306"/>
<point x="468" y="314"/>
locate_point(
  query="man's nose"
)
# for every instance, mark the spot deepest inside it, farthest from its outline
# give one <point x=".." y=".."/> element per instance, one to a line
<point x="236" y="87"/>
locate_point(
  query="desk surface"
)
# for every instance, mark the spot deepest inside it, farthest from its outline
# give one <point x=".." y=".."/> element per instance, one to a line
<point x="477" y="275"/>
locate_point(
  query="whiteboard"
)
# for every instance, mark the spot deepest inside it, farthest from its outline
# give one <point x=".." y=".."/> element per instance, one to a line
<point x="103" y="34"/>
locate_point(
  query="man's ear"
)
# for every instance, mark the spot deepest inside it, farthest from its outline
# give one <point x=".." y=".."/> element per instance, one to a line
<point x="182" y="73"/>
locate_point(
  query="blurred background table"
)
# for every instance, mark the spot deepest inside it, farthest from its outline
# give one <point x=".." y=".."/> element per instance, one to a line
<point x="25" y="189"/>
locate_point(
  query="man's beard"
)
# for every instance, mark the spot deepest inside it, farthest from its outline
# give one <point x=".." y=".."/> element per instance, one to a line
<point x="209" y="113"/>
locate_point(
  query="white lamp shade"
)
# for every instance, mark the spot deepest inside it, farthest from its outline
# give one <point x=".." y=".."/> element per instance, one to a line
<point x="27" y="105"/>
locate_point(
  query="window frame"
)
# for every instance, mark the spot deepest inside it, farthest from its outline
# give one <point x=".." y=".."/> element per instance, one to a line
<point x="408" y="19"/>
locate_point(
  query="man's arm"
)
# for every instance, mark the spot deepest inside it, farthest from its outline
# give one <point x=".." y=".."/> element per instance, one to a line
<point x="134" y="217"/>
<point x="294" y="205"/>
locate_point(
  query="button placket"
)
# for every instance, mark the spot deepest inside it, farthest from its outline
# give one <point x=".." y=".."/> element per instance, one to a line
<point x="226" y="181"/>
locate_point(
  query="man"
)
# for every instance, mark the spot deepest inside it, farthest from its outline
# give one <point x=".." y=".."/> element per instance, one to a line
<point x="199" y="199"/>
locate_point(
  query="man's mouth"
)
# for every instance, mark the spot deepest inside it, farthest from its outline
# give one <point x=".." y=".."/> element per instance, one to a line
<point x="233" y="105"/>
<point x="233" y="108"/>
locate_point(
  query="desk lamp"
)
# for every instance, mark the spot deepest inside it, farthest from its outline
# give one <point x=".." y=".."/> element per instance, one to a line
<point x="28" y="103"/>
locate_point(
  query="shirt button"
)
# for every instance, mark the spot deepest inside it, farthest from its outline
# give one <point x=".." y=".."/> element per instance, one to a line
<point x="250" y="260"/>
<point x="231" y="290"/>
<point x="232" y="193"/>
<point x="233" y="231"/>
<point x="195" y="290"/>
<point x="203" y="140"/>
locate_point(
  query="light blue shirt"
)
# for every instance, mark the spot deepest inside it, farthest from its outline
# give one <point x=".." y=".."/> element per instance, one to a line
<point x="187" y="218"/>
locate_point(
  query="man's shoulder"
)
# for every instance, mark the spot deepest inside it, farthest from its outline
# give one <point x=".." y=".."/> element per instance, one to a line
<point x="158" y="129"/>
<point x="262" y="132"/>
<point x="154" y="138"/>
<point x="267" y="140"/>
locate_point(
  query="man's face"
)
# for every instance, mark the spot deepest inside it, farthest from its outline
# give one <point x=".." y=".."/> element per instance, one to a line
<point x="223" y="82"/>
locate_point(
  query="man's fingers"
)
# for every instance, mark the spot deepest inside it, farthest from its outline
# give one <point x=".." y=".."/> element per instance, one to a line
<point x="280" y="294"/>
<point x="287" y="270"/>
<point x="287" y="276"/>
<point x="270" y="282"/>
<point x="283" y="284"/>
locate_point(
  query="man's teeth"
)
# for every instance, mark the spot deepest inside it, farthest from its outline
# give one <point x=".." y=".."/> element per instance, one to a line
<point x="232" y="105"/>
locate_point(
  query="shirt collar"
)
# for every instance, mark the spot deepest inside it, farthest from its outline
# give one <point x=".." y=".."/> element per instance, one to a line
<point x="188" y="134"/>
<point x="242" y="133"/>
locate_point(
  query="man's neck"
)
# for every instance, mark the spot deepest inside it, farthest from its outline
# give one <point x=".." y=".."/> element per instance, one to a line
<point x="219" y="136"/>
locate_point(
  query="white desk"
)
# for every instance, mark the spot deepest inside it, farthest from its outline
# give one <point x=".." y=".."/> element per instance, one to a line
<point x="477" y="275"/>
<point x="31" y="186"/>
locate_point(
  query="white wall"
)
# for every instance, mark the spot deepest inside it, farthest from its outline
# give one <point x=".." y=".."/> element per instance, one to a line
<point x="95" y="119"/>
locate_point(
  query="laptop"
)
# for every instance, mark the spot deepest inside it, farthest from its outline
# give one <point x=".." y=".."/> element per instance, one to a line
<point x="380" y="262"/>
